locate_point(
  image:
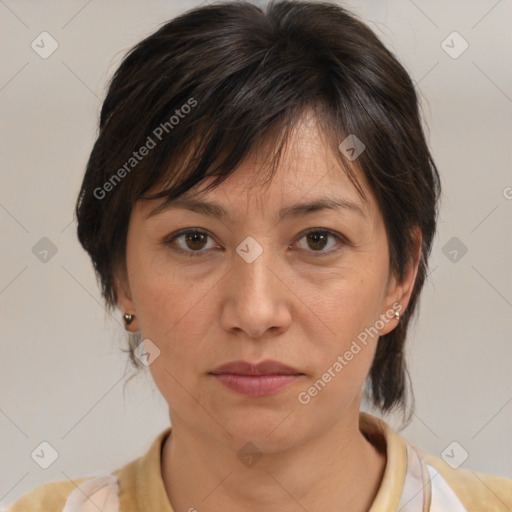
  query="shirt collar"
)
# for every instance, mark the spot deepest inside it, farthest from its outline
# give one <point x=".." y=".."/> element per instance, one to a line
<point x="145" y="477"/>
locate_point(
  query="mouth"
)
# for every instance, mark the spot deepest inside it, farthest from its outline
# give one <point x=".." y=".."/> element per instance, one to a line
<point x="256" y="380"/>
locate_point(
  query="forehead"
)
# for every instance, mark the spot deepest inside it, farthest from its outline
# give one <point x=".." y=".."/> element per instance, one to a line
<point x="307" y="162"/>
<point x="308" y="170"/>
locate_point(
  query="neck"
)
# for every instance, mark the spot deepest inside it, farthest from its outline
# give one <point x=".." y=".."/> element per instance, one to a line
<point x="338" y="470"/>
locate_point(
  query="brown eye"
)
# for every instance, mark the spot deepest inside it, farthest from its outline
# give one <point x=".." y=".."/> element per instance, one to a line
<point x="195" y="240"/>
<point x="317" y="240"/>
<point x="193" y="244"/>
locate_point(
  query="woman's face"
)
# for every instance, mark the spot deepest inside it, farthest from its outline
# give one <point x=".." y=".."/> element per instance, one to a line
<point x="255" y="286"/>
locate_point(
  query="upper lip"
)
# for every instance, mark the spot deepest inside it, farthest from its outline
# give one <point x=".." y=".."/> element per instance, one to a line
<point x="267" y="367"/>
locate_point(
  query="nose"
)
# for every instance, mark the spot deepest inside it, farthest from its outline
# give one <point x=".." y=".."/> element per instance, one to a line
<point x="256" y="298"/>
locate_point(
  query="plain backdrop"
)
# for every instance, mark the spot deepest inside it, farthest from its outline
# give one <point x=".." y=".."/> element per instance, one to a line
<point x="61" y="366"/>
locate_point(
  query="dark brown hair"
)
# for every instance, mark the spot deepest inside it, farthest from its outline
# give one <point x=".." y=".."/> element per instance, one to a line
<point x="210" y="86"/>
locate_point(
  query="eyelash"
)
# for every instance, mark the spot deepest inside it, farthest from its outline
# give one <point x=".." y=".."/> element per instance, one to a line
<point x="319" y="231"/>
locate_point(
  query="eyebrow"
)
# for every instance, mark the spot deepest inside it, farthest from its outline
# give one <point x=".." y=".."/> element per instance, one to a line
<point x="213" y="209"/>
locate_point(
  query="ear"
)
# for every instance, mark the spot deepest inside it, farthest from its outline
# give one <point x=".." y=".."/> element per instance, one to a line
<point x="399" y="292"/>
<point x="124" y="300"/>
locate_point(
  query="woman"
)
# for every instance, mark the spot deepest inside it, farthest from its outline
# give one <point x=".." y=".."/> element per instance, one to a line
<point x="260" y="204"/>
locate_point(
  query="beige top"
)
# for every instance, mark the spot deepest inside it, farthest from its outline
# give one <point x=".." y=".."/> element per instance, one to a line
<point x="412" y="482"/>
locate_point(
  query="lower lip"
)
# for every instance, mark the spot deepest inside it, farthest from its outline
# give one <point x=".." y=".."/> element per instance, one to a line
<point x="256" y="385"/>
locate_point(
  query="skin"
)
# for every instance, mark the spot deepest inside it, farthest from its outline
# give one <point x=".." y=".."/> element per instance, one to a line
<point x="292" y="305"/>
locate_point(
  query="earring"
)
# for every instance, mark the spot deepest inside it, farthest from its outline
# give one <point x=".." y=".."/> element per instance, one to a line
<point x="397" y="315"/>
<point x="128" y="318"/>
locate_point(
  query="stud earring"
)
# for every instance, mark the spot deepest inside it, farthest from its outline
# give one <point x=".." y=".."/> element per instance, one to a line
<point x="128" y="318"/>
<point x="397" y="315"/>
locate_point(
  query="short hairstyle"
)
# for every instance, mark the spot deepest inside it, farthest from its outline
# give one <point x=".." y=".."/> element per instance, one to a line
<point x="215" y="83"/>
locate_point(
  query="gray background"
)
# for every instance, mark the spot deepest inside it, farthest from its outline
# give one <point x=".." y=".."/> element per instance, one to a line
<point x="61" y="369"/>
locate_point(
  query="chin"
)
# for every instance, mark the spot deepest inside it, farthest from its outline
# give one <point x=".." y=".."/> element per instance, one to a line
<point x="268" y="431"/>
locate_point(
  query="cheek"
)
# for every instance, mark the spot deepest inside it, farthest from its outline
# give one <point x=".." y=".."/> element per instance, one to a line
<point x="175" y="311"/>
<point x="354" y="301"/>
<point x="160" y="293"/>
<point x="169" y="308"/>
<point x="350" y="308"/>
<point x="174" y="317"/>
<point x="340" y="361"/>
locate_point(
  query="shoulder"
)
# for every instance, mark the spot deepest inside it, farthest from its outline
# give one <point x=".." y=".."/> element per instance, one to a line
<point x="115" y="489"/>
<point x="476" y="491"/>
<point x="48" y="497"/>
